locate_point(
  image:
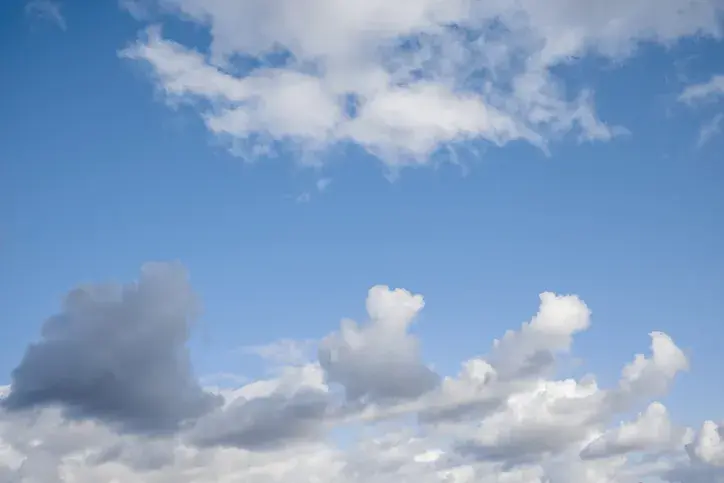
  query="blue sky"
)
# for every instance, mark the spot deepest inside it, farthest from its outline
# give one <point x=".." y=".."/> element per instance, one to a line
<point x="100" y="174"/>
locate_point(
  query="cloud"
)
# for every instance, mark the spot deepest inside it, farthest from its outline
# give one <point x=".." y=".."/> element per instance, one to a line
<point x="710" y="130"/>
<point x="651" y="430"/>
<point x="532" y="349"/>
<point x="368" y="411"/>
<point x="404" y="80"/>
<point x="707" y="91"/>
<point x="323" y="183"/>
<point x="46" y="10"/>
<point x="117" y="353"/>
<point x="269" y="413"/>
<point x="320" y="187"/>
<point x="138" y="9"/>
<point x="379" y="361"/>
<point x="284" y="352"/>
<point x="265" y="422"/>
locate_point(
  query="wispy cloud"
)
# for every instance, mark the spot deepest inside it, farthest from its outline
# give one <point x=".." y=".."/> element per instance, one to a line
<point x="710" y="90"/>
<point x="138" y="9"/>
<point x="710" y="129"/>
<point x="46" y="10"/>
<point x="706" y="93"/>
<point x="323" y="184"/>
<point x="320" y="186"/>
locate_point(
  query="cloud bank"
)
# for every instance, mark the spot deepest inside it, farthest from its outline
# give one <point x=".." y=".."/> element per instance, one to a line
<point x="404" y="80"/>
<point x="108" y="393"/>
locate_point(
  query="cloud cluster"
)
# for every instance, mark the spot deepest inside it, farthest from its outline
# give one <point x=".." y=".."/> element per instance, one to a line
<point x="709" y="92"/>
<point x="108" y="394"/>
<point x="404" y="80"/>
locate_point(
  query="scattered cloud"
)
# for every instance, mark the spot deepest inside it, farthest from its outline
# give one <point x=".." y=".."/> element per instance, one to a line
<point x="108" y="394"/>
<point x="46" y="10"/>
<point x="710" y="130"/>
<point x="304" y="197"/>
<point x="320" y="186"/>
<point x="704" y="92"/>
<point x="323" y="184"/>
<point x="404" y="80"/>
<point x="138" y="9"/>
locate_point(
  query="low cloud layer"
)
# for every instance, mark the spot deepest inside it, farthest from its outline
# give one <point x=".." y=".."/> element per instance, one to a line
<point x="404" y="80"/>
<point x="108" y="394"/>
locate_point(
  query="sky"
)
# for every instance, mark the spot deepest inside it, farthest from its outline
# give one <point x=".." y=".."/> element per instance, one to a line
<point x="293" y="241"/>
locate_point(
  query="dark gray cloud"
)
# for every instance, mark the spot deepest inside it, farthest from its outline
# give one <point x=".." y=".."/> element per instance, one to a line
<point x="118" y="354"/>
<point x="265" y="422"/>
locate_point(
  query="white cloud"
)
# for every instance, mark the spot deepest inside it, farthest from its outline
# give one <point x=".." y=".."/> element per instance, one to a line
<point x="47" y="10"/>
<point x="652" y="430"/>
<point x="370" y="411"/>
<point x="707" y="91"/>
<point x="404" y="79"/>
<point x="708" y="446"/>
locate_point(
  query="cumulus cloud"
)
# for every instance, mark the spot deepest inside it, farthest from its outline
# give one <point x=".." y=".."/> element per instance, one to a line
<point x="404" y="80"/>
<point x="651" y="430"/>
<point x="379" y="361"/>
<point x="117" y="353"/>
<point x="270" y="413"/>
<point x="102" y="395"/>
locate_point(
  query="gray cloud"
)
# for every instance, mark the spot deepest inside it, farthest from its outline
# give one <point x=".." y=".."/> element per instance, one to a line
<point x="380" y="360"/>
<point x="264" y="422"/>
<point x="145" y="455"/>
<point x="466" y="411"/>
<point x="523" y="445"/>
<point x="118" y="354"/>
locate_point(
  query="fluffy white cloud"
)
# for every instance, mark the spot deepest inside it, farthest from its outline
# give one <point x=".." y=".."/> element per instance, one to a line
<point x="403" y="79"/>
<point x="370" y="411"/>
